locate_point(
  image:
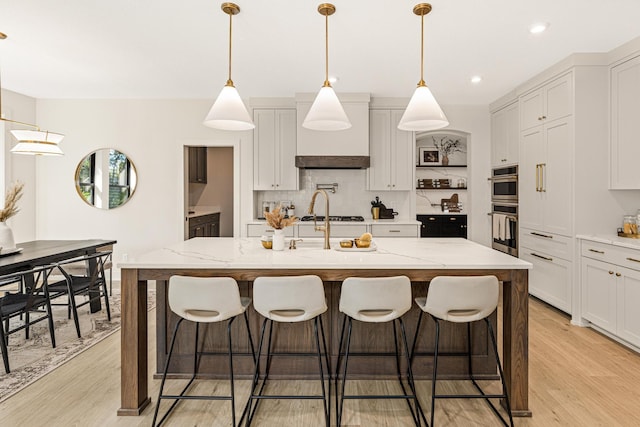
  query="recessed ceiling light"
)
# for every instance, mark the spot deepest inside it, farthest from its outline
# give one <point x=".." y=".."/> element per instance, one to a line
<point x="476" y="79"/>
<point x="538" y="28"/>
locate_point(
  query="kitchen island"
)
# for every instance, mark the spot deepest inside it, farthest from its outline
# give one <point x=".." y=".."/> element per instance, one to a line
<point x="244" y="259"/>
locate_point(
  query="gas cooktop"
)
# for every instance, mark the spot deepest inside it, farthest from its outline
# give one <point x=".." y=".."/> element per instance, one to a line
<point x="333" y="218"/>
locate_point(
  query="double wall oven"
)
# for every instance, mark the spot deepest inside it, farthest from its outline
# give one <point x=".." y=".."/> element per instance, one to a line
<point x="504" y="209"/>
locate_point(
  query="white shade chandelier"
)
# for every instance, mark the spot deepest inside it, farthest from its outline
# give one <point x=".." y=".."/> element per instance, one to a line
<point x="229" y="112"/>
<point x="423" y="111"/>
<point x="33" y="142"/>
<point x="326" y="112"/>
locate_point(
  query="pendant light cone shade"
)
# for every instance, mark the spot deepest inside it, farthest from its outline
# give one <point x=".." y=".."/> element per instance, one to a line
<point x="423" y="111"/>
<point x="36" y="142"/>
<point x="326" y="112"/>
<point x="229" y="112"/>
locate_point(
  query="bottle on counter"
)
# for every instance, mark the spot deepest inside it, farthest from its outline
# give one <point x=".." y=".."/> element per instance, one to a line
<point x="291" y="211"/>
<point x="630" y="226"/>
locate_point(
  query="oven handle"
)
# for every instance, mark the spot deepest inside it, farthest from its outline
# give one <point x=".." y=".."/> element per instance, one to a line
<point x="504" y="178"/>
<point x="514" y="218"/>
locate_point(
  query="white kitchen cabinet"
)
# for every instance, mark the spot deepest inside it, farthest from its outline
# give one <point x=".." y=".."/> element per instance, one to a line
<point x="391" y="152"/>
<point x="625" y="127"/>
<point x="547" y="103"/>
<point x="395" y="230"/>
<point x="274" y="149"/>
<point x="546" y="177"/>
<point x="505" y="135"/>
<point x="610" y="284"/>
<point x="550" y="278"/>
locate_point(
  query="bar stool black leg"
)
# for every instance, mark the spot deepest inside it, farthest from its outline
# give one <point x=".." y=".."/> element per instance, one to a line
<point x="164" y="376"/>
<point x="504" y="385"/>
<point x="233" y="394"/>
<point x="324" y="393"/>
<point x="418" y="408"/>
<point x="344" y="373"/>
<point x="339" y="360"/>
<point x="250" y="410"/>
<point x="435" y="371"/>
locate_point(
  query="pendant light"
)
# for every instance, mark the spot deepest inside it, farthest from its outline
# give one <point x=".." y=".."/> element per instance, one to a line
<point x="326" y="112"/>
<point x="423" y="111"/>
<point x="34" y="142"/>
<point x="229" y="112"/>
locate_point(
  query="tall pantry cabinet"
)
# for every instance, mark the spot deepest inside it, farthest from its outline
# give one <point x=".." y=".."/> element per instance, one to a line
<point x="562" y="139"/>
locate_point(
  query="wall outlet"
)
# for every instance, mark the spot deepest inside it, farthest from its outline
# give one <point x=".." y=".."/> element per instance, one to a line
<point x="125" y="257"/>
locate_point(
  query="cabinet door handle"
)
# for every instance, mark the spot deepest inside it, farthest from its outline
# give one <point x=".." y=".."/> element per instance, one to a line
<point x="394" y="231"/>
<point x="542" y="235"/>
<point x="538" y="178"/>
<point x="618" y="274"/>
<point x="598" y="252"/>
<point x="633" y="259"/>
<point x="610" y="272"/>
<point x="542" y="257"/>
<point x="543" y="185"/>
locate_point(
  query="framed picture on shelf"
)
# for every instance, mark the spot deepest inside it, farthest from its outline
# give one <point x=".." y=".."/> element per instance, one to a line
<point x="429" y="156"/>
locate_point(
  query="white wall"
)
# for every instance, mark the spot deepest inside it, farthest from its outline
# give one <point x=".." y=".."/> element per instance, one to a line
<point x="17" y="167"/>
<point x="152" y="134"/>
<point x="475" y="120"/>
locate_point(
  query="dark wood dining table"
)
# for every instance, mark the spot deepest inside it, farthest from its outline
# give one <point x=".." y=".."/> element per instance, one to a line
<point x="43" y="252"/>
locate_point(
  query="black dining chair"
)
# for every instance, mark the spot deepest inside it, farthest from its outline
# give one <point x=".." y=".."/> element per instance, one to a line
<point x="92" y="286"/>
<point x="24" y="294"/>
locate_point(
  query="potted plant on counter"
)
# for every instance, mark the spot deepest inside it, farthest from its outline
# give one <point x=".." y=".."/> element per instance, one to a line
<point x="276" y="220"/>
<point x="447" y="146"/>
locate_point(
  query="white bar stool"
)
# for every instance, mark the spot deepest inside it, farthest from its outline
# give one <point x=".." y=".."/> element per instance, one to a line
<point x="204" y="300"/>
<point x="289" y="299"/>
<point x="463" y="299"/>
<point x="376" y="300"/>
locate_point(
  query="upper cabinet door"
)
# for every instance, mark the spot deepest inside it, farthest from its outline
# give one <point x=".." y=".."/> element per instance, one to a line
<point x="274" y="148"/>
<point x="550" y="102"/>
<point x="625" y="126"/>
<point x="505" y="134"/>
<point x="391" y="152"/>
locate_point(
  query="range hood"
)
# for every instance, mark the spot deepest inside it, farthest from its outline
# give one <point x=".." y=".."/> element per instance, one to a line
<point x="332" y="162"/>
<point x="344" y="149"/>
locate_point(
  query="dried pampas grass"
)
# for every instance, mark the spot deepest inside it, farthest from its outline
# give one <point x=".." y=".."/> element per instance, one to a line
<point x="276" y="219"/>
<point x="14" y="193"/>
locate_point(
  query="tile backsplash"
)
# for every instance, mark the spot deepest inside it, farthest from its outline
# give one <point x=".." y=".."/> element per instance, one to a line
<point x="351" y="196"/>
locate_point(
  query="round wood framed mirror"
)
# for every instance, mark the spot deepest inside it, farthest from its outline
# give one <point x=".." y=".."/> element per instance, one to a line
<point x="106" y="178"/>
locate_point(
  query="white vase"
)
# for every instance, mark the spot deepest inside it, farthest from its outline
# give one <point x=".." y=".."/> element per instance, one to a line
<point x="6" y="237"/>
<point x="278" y="240"/>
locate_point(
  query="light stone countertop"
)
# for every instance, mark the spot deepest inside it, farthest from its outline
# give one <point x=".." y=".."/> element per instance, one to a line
<point x="205" y="210"/>
<point x="611" y="239"/>
<point x="365" y="222"/>
<point x="396" y="253"/>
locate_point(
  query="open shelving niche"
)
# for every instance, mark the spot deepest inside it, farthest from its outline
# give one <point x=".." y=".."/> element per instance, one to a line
<point x="429" y="200"/>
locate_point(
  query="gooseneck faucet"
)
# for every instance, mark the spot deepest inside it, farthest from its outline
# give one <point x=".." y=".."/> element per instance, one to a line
<point x="326" y="227"/>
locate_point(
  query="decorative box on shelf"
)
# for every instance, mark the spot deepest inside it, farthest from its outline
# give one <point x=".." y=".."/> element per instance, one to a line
<point x="429" y="183"/>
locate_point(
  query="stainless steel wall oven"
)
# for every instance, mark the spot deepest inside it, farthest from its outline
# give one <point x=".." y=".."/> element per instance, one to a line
<point x="504" y="209"/>
<point x="504" y="184"/>
<point x="504" y="229"/>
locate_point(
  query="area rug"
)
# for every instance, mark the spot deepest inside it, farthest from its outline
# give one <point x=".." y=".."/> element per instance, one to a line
<point x="31" y="359"/>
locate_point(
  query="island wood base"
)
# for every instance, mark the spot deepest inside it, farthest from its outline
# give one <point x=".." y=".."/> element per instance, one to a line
<point x="134" y="393"/>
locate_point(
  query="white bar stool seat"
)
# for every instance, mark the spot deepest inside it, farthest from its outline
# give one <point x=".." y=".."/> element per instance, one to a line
<point x="204" y="300"/>
<point x="462" y="299"/>
<point x="376" y="300"/>
<point x="289" y="299"/>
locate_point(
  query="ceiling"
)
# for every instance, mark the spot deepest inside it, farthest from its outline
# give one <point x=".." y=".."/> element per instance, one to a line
<point x="178" y="49"/>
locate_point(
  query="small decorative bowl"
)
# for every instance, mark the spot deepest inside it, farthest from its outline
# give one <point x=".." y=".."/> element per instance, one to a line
<point x="362" y="243"/>
<point x="267" y="244"/>
<point x="346" y="243"/>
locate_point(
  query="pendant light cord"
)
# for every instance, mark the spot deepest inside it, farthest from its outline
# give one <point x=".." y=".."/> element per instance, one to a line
<point x="229" y="81"/>
<point x="326" y="51"/>
<point x="421" y="82"/>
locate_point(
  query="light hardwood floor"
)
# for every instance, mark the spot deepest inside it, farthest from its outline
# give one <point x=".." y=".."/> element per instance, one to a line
<point x="577" y="378"/>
